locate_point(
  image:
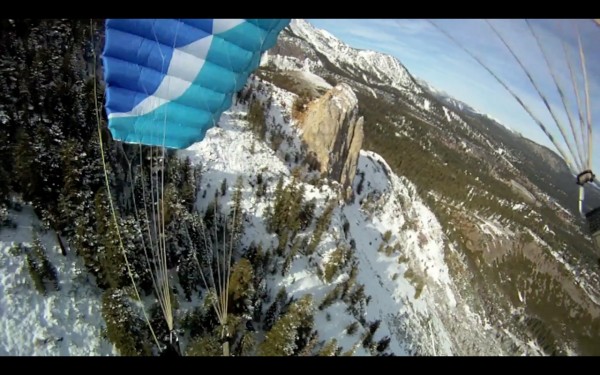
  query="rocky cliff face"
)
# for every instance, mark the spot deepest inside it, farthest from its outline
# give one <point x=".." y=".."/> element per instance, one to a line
<point x="333" y="132"/>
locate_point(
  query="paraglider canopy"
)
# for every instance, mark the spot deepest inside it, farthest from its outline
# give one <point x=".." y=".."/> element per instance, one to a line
<point x="169" y="80"/>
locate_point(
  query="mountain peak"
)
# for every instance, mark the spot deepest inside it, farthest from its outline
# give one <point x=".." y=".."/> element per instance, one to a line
<point x="372" y="67"/>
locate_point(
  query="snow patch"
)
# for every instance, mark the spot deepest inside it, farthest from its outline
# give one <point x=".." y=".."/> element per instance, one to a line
<point x="65" y="322"/>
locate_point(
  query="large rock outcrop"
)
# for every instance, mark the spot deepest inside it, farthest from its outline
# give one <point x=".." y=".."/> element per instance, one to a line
<point x="333" y="133"/>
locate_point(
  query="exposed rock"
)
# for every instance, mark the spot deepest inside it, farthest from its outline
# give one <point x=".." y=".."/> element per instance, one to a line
<point x="333" y="132"/>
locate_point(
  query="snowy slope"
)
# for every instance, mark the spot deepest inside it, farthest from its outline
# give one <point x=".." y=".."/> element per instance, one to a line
<point x="410" y="289"/>
<point x="66" y="322"/>
<point x="380" y="68"/>
<point x="402" y="255"/>
<point x="446" y="98"/>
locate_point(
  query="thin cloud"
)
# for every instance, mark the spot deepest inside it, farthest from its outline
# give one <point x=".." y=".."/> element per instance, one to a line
<point x="370" y="35"/>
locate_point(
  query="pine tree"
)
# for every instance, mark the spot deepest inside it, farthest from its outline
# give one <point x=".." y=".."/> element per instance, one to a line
<point x="187" y="270"/>
<point x="272" y="314"/>
<point x="306" y="214"/>
<point x="207" y="345"/>
<point x="43" y="273"/>
<point x="190" y="183"/>
<point x="211" y="215"/>
<point x="26" y="170"/>
<point x="247" y="345"/>
<point x="241" y="288"/>
<point x="290" y="334"/>
<point x="70" y="196"/>
<point x="236" y="214"/>
<point x="131" y="235"/>
<point x="283" y="217"/>
<point x="274" y="214"/>
<point x="290" y="257"/>
<point x="351" y="328"/>
<point x="224" y="187"/>
<point x="321" y="226"/>
<point x="367" y="342"/>
<point x="4" y="186"/>
<point x="169" y="206"/>
<point x="329" y="349"/>
<point x="383" y="344"/>
<point x="111" y="261"/>
<point x="335" y="262"/>
<point x="124" y="328"/>
<point x="35" y="272"/>
<point x="85" y="239"/>
<point x="296" y="200"/>
<point x="357" y="302"/>
<point x="256" y="119"/>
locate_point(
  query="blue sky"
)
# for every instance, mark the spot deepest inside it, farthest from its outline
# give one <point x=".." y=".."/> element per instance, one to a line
<point x="432" y="56"/>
